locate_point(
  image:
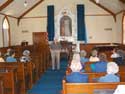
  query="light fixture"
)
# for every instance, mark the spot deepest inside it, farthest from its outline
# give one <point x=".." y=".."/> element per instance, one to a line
<point x="97" y="1"/>
<point x="25" y="3"/>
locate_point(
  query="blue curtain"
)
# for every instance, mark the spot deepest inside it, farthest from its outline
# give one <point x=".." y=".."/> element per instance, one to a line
<point x="50" y="22"/>
<point x="81" y="35"/>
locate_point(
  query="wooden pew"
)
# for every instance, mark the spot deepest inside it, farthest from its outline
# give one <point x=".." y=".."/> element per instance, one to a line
<point x="92" y="76"/>
<point x="1" y="85"/>
<point x="36" y="59"/>
<point x="20" y="74"/>
<point x="88" y="68"/>
<point x="9" y="82"/>
<point x="24" y="73"/>
<point x="87" y="88"/>
<point x="28" y="68"/>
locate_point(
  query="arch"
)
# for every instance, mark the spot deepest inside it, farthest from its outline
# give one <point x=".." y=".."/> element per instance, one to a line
<point x="66" y="15"/>
<point x="6" y="32"/>
<point x="65" y="26"/>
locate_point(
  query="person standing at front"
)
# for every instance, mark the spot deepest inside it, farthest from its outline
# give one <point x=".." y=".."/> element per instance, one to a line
<point x="55" y="49"/>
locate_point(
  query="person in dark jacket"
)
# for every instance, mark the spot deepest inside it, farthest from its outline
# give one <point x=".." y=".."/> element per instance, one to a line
<point x="101" y="65"/>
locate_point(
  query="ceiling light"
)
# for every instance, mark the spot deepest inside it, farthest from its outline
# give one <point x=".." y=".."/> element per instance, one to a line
<point x="97" y="1"/>
<point x="25" y="3"/>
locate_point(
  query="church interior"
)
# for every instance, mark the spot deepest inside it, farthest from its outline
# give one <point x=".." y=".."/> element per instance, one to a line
<point x="80" y="27"/>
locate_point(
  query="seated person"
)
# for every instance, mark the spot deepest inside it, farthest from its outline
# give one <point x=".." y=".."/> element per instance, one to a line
<point x="76" y="76"/>
<point x="7" y="53"/>
<point x="26" y="56"/>
<point x="112" y="69"/>
<point x="101" y="65"/>
<point x="118" y="56"/>
<point x="11" y="58"/>
<point x="114" y="53"/>
<point x="83" y="58"/>
<point x="121" y="59"/>
<point x="76" y="56"/>
<point x="94" y="56"/>
<point x="1" y="58"/>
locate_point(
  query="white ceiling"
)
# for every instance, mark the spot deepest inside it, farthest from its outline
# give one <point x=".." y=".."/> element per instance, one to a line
<point x="114" y="6"/>
<point x="2" y="2"/>
<point x="17" y="8"/>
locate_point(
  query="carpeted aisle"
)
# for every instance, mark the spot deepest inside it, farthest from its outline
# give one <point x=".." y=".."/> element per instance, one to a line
<point x="51" y="81"/>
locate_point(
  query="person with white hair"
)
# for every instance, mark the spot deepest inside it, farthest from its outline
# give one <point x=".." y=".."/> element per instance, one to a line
<point x="26" y="56"/>
<point x="76" y="76"/>
<point x="94" y="56"/>
<point x="76" y="56"/>
<point x="55" y="49"/>
<point x="112" y="69"/>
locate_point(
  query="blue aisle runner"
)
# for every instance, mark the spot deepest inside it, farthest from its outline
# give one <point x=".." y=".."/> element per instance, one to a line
<point x="51" y="81"/>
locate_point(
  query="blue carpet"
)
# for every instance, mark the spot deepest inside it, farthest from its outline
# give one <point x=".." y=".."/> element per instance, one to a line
<point x="51" y="81"/>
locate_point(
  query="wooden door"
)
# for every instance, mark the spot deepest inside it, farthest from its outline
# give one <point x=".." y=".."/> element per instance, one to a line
<point x="40" y="38"/>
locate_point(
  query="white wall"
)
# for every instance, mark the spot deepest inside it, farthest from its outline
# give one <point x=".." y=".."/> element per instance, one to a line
<point x="97" y="20"/>
<point x="118" y="34"/>
<point x="1" y="38"/>
<point x="13" y="30"/>
<point x="95" y="24"/>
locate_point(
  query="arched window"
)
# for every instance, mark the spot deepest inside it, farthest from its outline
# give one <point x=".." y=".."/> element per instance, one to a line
<point x="6" y="32"/>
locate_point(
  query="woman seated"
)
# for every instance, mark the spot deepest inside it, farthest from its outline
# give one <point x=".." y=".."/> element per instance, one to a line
<point x="83" y="58"/>
<point x="76" y="76"/>
<point x="112" y="69"/>
<point x="11" y="58"/>
<point x="1" y="58"/>
<point x="101" y="65"/>
<point x="94" y="56"/>
<point x="26" y="56"/>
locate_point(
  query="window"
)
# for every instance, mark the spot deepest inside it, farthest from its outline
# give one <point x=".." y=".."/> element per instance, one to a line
<point x="6" y="32"/>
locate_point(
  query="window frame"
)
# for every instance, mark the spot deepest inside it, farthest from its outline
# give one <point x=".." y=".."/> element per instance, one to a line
<point x="9" y="37"/>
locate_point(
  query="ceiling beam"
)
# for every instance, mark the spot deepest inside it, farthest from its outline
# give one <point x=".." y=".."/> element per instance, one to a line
<point x="23" y="14"/>
<point x="123" y="1"/>
<point x="5" y="4"/>
<point x="8" y="15"/>
<point x="106" y="9"/>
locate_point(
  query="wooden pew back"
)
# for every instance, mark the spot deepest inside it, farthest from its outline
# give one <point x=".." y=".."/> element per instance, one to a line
<point x="87" y="88"/>
<point x="20" y="73"/>
<point x="8" y="82"/>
